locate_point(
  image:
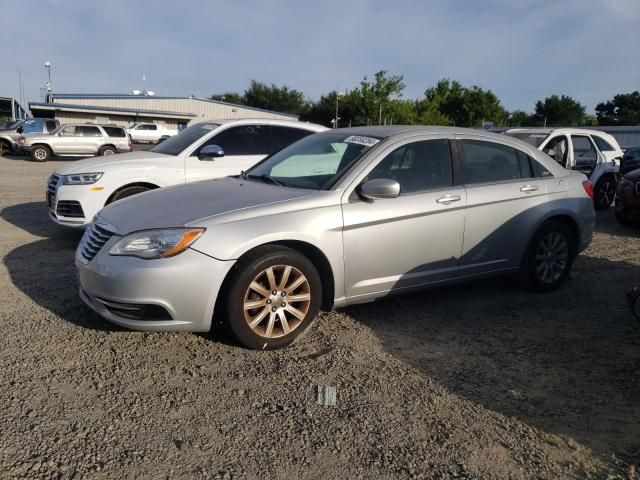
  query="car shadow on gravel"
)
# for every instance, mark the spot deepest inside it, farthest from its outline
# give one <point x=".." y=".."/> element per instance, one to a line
<point x="33" y="217"/>
<point x="566" y="362"/>
<point x="44" y="271"/>
<point x="606" y="223"/>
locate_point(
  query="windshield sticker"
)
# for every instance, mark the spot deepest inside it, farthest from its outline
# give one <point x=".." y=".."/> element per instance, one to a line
<point x="366" y="141"/>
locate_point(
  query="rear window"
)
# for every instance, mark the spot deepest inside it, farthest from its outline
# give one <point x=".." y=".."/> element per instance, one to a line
<point x="114" y="131"/>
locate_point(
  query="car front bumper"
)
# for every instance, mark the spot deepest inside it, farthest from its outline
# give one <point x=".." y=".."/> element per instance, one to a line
<point x="184" y="287"/>
<point x="90" y="198"/>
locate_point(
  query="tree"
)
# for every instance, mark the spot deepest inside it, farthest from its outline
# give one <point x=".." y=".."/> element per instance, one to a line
<point x="274" y="97"/>
<point x="557" y="111"/>
<point x="519" y="118"/>
<point x="229" y="97"/>
<point x="624" y="109"/>
<point x="465" y="107"/>
<point x="372" y="100"/>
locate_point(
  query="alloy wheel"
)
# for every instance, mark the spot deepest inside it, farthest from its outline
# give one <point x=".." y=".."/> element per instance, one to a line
<point x="552" y="257"/>
<point x="40" y="154"/>
<point x="277" y="301"/>
<point x="606" y="192"/>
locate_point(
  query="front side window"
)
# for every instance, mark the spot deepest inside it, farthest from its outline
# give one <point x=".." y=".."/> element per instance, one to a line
<point x="488" y="162"/>
<point x="315" y="162"/>
<point x="558" y="149"/>
<point x="68" y="132"/>
<point x="51" y="126"/>
<point x="243" y="140"/>
<point x="178" y="143"/>
<point x="418" y="166"/>
<point x="151" y="127"/>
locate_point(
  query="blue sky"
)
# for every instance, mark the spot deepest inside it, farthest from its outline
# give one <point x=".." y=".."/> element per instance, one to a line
<point x="523" y="50"/>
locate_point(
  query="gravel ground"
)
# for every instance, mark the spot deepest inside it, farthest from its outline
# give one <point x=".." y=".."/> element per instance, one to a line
<point x="480" y="381"/>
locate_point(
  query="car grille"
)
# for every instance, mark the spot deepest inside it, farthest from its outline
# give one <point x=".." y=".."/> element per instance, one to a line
<point x="93" y="240"/>
<point x="69" y="208"/>
<point x="136" y="311"/>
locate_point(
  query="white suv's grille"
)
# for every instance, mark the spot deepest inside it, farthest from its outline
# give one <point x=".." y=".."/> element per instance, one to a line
<point x="93" y="240"/>
<point x="52" y="190"/>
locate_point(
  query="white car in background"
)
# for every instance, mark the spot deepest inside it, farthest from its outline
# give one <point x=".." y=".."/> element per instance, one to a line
<point x="150" y="132"/>
<point x="596" y="154"/>
<point x="79" y="190"/>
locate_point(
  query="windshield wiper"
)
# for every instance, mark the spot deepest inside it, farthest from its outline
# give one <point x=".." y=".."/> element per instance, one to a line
<point x="267" y="179"/>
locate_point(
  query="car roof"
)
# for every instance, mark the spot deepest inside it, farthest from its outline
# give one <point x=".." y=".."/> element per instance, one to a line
<point x="267" y="121"/>
<point x="581" y="131"/>
<point x="389" y="131"/>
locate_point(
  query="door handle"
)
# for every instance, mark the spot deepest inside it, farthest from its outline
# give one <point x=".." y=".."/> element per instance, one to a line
<point x="447" y="199"/>
<point x="529" y="188"/>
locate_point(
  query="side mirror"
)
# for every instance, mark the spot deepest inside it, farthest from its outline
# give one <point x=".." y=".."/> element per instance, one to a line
<point x="20" y="130"/>
<point x="379" y="188"/>
<point x="210" y="153"/>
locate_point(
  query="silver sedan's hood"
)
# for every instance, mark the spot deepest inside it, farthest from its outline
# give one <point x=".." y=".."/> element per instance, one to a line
<point x="183" y="204"/>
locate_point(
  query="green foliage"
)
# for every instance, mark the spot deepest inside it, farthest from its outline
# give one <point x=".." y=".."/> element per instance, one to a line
<point x="465" y="107"/>
<point x="229" y="97"/>
<point x="624" y="109"/>
<point x="555" y="111"/>
<point x="273" y="97"/>
<point x="518" y="118"/>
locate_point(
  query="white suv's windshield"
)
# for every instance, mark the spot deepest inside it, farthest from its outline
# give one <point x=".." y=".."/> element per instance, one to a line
<point x="314" y="162"/>
<point x="531" y="138"/>
<point x="178" y="143"/>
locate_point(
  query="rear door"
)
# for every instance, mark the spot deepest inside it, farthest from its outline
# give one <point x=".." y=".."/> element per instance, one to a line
<point x="411" y="240"/>
<point x="243" y="145"/>
<point x="505" y="200"/>
<point x="584" y="153"/>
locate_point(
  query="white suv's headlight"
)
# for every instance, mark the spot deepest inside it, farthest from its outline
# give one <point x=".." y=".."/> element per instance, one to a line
<point x="81" y="178"/>
<point x="150" y="244"/>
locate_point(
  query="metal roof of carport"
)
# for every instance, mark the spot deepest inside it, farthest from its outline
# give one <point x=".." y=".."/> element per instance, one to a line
<point x="65" y="107"/>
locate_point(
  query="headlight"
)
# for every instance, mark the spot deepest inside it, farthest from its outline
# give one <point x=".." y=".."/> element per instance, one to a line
<point x="21" y="140"/>
<point x="150" y="244"/>
<point x="81" y="178"/>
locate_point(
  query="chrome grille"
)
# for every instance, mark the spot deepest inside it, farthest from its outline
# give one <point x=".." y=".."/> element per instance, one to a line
<point x="93" y="240"/>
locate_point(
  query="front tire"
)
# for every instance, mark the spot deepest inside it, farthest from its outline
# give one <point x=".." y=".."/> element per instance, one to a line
<point x="40" y="153"/>
<point x="4" y="148"/>
<point x="273" y="297"/>
<point x="604" y="192"/>
<point x="549" y="257"/>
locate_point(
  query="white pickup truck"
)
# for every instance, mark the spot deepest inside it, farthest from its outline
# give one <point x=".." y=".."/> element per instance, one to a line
<point x="150" y="132"/>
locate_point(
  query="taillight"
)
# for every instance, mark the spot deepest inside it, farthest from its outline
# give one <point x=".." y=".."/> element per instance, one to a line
<point x="588" y="187"/>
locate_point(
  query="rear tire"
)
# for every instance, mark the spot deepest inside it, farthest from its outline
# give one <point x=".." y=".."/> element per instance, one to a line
<point x="107" y="150"/>
<point x="604" y="192"/>
<point x="40" y="153"/>
<point x="127" y="192"/>
<point x="286" y="290"/>
<point x="549" y="257"/>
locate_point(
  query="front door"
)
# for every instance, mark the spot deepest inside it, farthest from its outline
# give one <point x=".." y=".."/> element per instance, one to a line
<point x="414" y="239"/>
<point x="243" y="145"/>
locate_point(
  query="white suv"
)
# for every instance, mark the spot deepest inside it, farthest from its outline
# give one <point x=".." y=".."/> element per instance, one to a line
<point x="596" y="154"/>
<point x="79" y="190"/>
<point x="150" y="132"/>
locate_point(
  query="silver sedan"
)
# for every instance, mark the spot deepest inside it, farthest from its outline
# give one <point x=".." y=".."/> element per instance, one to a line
<point x="340" y="217"/>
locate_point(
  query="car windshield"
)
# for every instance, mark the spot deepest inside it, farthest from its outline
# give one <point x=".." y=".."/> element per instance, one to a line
<point x="315" y="162"/>
<point x="531" y="138"/>
<point x="176" y="144"/>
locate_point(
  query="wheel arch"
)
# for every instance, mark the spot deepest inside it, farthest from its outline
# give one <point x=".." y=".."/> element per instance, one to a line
<point x="149" y="185"/>
<point x="311" y="252"/>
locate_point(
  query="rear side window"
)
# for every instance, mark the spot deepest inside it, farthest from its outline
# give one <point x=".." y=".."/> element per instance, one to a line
<point x="284" y="136"/>
<point x="86" y="131"/>
<point x="487" y="162"/>
<point x="114" y="131"/>
<point x="243" y="140"/>
<point x="602" y="144"/>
